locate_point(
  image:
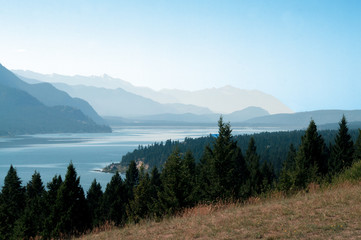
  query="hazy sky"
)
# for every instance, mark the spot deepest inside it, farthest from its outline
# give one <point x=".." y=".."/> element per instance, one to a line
<point x="306" y="53"/>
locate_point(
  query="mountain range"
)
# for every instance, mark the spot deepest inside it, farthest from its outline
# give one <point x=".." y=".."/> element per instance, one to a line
<point x="189" y="118"/>
<point x="228" y="99"/>
<point x="123" y="103"/>
<point x="300" y="120"/>
<point x="41" y="108"/>
<point x="223" y="100"/>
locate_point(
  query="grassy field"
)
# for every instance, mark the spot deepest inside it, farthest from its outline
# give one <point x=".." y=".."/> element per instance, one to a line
<point x="330" y="213"/>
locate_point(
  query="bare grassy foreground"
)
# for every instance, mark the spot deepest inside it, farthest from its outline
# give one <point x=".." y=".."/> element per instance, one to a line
<point x="333" y="213"/>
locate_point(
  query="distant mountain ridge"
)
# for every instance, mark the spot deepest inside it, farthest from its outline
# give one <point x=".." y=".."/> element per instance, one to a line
<point x="252" y="108"/>
<point x="235" y="117"/>
<point x="189" y="119"/>
<point x="51" y="96"/>
<point x="95" y="81"/>
<point x="325" y="119"/>
<point x="22" y="111"/>
<point x="228" y="99"/>
<point x="121" y="103"/>
<point x="223" y="100"/>
<point x="302" y="119"/>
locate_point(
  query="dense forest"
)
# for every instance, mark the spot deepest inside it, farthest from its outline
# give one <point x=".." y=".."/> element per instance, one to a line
<point x="223" y="172"/>
<point x="272" y="147"/>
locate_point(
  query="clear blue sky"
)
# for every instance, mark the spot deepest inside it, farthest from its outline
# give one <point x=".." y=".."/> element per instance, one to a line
<point x="306" y="53"/>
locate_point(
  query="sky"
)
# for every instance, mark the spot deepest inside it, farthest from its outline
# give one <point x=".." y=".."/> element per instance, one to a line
<point x="305" y="53"/>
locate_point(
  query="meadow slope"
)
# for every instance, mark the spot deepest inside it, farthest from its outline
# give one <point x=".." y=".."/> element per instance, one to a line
<point x="329" y="213"/>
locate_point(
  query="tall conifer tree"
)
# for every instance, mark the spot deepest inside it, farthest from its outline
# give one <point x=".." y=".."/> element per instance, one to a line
<point x="288" y="169"/>
<point x="31" y="223"/>
<point x="70" y="208"/>
<point x="115" y="201"/>
<point x="311" y="162"/>
<point x="357" y="147"/>
<point x="50" y="199"/>
<point x="94" y="200"/>
<point x="206" y="183"/>
<point x="131" y="178"/>
<point x="255" y="179"/>
<point x="343" y="149"/>
<point x="155" y="188"/>
<point x="12" y="203"/>
<point x="227" y="165"/>
<point x="141" y="205"/>
<point x="177" y="187"/>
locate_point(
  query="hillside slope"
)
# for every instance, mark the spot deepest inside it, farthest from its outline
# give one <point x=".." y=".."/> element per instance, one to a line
<point x="47" y="94"/>
<point x="321" y="214"/>
<point x="22" y="113"/>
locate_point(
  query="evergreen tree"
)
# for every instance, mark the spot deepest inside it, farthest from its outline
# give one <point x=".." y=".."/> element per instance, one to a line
<point x="288" y="168"/>
<point x="31" y="223"/>
<point x="70" y="206"/>
<point x="131" y="178"/>
<point x="268" y="176"/>
<point x="222" y="152"/>
<point x="141" y="205"/>
<point x="206" y="184"/>
<point x="12" y="203"/>
<point x="155" y="188"/>
<point x="190" y="163"/>
<point x="238" y="174"/>
<point x="94" y="200"/>
<point x="53" y="188"/>
<point x="155" y="178"/>
<point x="115" y="201"/>
<point x="49" y="206"/>
<point x="311" y="162"/>
<point x="357" y="153"/>
<point x="343" y="150"/>
<point x="35" y="187"/>
<point x="223" y="169"/>
<point x="253" y="185"/>
<point x="177" y="187"/>
<point x="189" y="169"/>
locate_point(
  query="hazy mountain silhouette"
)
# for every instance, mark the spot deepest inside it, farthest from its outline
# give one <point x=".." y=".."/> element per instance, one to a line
<point x="228" y="99"/>
<point x="22" y="113"/>
<point x="47" y="94"/>
<point x="23" y="104"/>
<point x="302" y="119"/>
<point x="219" y="100"/>
<point x="104" y="81"/>
<point x="188" y="118"/>
<point x="121" y="103"/>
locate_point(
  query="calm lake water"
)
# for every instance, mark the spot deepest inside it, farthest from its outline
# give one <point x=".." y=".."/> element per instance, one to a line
<point x="50" y="154"/>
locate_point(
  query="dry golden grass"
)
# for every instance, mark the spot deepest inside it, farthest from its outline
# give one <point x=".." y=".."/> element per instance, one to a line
<point x="332" y="213"/>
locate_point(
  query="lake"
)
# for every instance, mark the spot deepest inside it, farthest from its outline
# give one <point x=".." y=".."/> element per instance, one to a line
<point x="50" y="154"/>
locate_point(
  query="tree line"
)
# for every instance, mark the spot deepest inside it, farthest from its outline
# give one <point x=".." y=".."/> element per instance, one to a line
<point x="272" y="147"/>
<point x="224" y="172"/>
